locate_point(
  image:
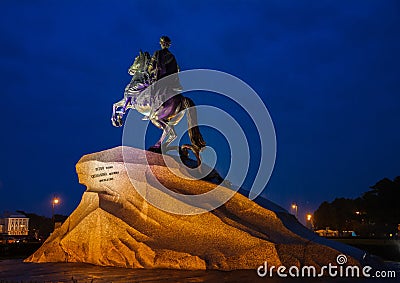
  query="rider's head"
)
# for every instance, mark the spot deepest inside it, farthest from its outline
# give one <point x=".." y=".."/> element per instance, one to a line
<point x="165" y="41"/>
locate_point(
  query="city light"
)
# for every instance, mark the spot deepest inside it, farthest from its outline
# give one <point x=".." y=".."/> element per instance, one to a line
<point x="295" y="208"/>
<point x="310" y="221"/>
<point x="55" y="201"/>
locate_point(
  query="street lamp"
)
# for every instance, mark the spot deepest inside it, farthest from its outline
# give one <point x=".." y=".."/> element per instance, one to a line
<point x="309" y="220"/>
<point x="54" y="202"/>
<point x="295" y="208"/>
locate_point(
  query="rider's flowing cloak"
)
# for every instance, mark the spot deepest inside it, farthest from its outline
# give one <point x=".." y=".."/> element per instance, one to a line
<point x="162" y="90"/>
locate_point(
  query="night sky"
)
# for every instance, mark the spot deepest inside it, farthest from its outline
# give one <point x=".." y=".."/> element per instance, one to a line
<point x="328" y="72"/>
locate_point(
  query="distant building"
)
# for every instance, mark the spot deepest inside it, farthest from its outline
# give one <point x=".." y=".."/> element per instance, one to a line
<point x="13" y="225"/>
<point x="327" y="232"/>
<point x="349" y="234"/>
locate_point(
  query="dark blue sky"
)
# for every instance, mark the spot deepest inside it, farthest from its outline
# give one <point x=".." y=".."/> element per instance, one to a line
<point x="328" y="72"/>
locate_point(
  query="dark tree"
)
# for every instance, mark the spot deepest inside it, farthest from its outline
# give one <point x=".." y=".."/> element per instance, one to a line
<point x="41" y="226"/>
<point x="382" y="205"/>
<point x="375" y="213"/>
<point x="338" y="215"/>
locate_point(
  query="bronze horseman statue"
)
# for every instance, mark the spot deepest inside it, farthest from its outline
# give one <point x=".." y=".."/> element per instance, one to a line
<point x="154" y="91"/>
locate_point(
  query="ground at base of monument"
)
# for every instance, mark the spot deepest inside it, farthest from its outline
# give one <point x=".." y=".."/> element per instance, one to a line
<point x="14" y="270"/>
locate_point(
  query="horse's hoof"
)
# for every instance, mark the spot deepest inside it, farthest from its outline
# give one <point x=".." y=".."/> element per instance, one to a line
<point x="155" y="149"/>
<point x="117" y="121"/>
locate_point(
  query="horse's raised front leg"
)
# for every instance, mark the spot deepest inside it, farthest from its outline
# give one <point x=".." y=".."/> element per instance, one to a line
<point x="119" y="109"/>
<point x="116" y="118"/>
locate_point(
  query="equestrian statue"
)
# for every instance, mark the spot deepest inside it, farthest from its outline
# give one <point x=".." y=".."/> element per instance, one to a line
<point x="154" y="91"/>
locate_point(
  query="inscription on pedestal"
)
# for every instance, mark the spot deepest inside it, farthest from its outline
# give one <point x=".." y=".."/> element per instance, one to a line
<point x="104" y="172"/>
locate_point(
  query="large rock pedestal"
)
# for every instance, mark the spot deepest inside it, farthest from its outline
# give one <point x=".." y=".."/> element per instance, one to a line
<point x="115" y="226"/>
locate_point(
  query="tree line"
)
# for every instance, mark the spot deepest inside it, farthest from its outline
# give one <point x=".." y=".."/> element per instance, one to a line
<point x="376" y="213"/>
<point x="41" y="226"/>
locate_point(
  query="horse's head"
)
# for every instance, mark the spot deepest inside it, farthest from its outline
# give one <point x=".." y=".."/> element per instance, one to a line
<point x="141" y="63"/>
<point x="139" y="82"/>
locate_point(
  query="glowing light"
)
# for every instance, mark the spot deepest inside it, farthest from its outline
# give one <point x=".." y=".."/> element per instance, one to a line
<point x="295" y="208"/>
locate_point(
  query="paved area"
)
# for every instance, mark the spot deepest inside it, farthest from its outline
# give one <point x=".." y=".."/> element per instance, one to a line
<point x="16" y="271"/>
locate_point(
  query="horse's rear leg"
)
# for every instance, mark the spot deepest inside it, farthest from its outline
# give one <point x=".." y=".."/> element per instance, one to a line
<point x="168" y="131"/>
<point x="171" y="135"/>
<point x="157" y="147"/>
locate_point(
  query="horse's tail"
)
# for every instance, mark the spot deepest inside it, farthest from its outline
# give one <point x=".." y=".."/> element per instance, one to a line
<point x="194" y="132"/>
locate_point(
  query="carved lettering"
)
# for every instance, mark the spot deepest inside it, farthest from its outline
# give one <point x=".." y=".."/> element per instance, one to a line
<point x="106" y="171"/>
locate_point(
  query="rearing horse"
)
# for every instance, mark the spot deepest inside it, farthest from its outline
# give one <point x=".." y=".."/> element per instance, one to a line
<point x="160" y="103"/>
